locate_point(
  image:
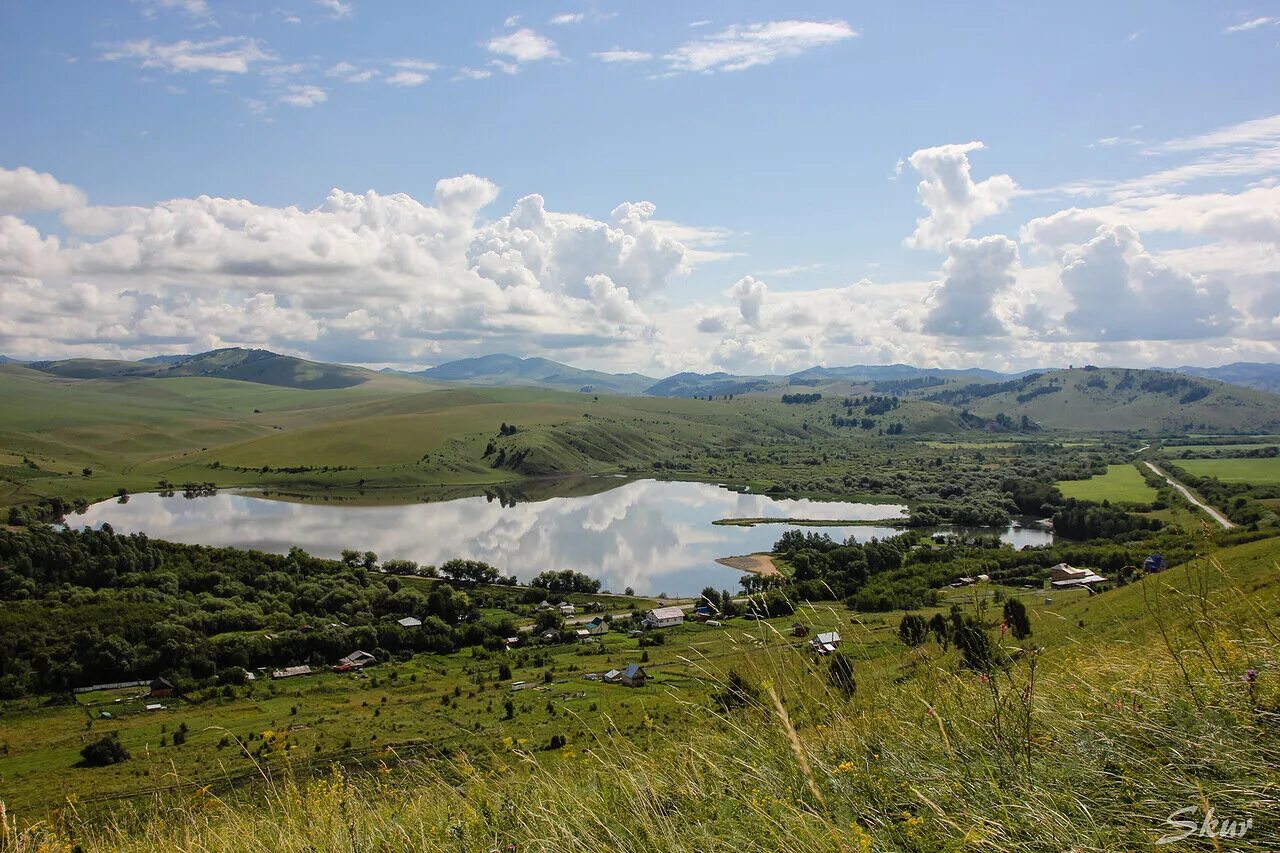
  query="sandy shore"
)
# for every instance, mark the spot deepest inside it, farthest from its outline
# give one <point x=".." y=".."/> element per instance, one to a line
<point x="760" y="564"/>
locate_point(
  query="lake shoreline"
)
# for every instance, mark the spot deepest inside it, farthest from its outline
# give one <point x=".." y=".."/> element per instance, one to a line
<point x="756" y="564"/>
<point x="897" y="523"/>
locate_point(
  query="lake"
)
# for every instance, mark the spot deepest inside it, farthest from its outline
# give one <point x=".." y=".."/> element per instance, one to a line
<point x="654" y="536"/>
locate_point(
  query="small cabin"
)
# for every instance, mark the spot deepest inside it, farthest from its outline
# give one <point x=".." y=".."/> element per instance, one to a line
<point x="826" y="643"/>
<point x="633" y="676"/>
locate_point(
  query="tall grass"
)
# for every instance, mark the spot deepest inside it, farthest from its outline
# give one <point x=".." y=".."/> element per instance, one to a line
<point x="1086" y="745"/>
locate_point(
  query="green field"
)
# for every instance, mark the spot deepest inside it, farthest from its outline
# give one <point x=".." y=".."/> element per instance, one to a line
<point x="1121" y="484"/>
<point x="1256" y="471"/>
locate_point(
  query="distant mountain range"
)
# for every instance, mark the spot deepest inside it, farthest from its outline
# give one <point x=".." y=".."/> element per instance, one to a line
<point x="266" y="367"/>
<point x="1249" y="374"/>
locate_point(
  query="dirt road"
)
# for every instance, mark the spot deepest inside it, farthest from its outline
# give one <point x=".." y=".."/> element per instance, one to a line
<point x="1226" y="523"/>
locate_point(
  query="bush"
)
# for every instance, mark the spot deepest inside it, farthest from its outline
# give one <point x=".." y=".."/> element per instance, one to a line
<point x="104" y="752"/>
<point x="840" y="674"/>
<point x="913" y="630"/>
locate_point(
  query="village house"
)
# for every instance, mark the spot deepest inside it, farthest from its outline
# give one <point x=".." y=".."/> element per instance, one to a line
<point x="356" y="660"/>
<point x="567" y="609"/>
<point x="160" y="688"/>
<point x="545" y="605"/>
<point x="664" y="617"/>
<point x="826" y="643"/>
<point x="633" y="676"/>
<point x="409" y="622"/>
<point x="1063" y="575"/>
<point x="596" y="627"/>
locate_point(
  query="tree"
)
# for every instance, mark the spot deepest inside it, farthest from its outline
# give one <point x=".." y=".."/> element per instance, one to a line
<point x="941" y="632"/>
<point x="504" y="671"/>
<point x="913" y="630"/>
<point x="104" y="752"/>
<point x="1015" y="616"/>
<point x="180" y="735"/>
<point x="976" y="647"/>
<point x="548" y="620"/>
<point x="840" y="674"/>
<point x="469" y="571"/>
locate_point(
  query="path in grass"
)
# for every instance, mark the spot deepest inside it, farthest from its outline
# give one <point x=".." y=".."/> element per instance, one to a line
<point x="1186" y="493"/>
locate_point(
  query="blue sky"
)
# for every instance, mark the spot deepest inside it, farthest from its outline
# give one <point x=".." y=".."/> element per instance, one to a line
<point x="1102" y="181"/>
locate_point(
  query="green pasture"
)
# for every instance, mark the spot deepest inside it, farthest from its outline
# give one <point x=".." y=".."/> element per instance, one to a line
<point x="1256" y="471"/>
<point x="1121" y="484"/>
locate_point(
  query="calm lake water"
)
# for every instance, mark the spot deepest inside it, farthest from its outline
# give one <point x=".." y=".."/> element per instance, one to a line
<point x="651" y="535"/>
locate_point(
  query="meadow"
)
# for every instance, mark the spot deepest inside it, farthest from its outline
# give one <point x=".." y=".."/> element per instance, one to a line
<point x="1263" y="471"/>
<point x="1120" y="484"/>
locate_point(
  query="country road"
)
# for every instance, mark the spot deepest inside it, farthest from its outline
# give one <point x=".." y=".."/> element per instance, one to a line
<point x="1226" y="523"/>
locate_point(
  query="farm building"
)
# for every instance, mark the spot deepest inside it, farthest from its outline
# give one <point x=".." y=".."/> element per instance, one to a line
<point x="1063" y="575"/>
<point x="826" y="643"/>
<point x="292" y="671"/>
<point x="633" y="676"/>
<point x="596" y="627"/>
<point x="409" y="622"/>
<point x="356" y="660"/>
<point x="160" y="687"/>
<point x="664" y="617"/>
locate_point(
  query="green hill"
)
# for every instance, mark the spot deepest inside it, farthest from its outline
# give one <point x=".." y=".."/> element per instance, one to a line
<point x="249" y="365"/>
<point x="1121" y="399"/>
<point x="505" y="370"/>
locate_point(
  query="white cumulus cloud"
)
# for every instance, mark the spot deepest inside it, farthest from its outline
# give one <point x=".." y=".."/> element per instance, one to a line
<point x="955" y="201"/>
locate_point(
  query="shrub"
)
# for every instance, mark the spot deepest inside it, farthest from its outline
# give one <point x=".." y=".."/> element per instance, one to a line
<point x="104" y="752"/>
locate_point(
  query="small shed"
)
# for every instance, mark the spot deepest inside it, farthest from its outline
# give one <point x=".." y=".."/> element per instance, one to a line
<point x="825" y="643"/>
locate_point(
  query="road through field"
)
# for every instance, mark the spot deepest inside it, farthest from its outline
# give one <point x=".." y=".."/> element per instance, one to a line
<point x="1186" y="493"/>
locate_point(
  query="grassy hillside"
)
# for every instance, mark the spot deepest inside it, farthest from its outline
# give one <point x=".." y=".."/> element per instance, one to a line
<point x="505" y="370"/>
<point x="1117" y="711"/>
<point x="260" y="366"/>
<point x="1120" y="399"/>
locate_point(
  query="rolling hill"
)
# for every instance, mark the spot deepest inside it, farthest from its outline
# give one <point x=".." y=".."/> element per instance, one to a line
<point x="1121" y="399"/>
<point x="248" y="365"/>
<point x="505" y="370"/>
<point x="1263" y="377"/>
